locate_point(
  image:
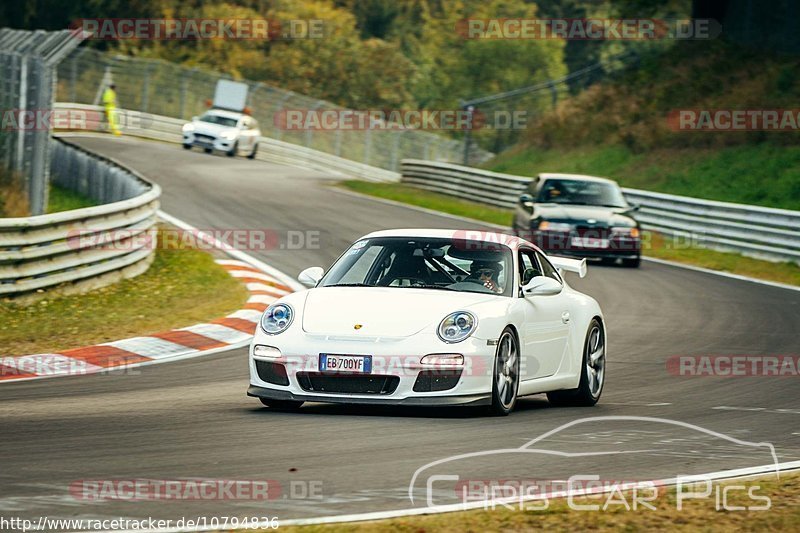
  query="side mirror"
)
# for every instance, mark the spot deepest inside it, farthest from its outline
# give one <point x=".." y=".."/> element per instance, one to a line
<point x="311" y="276"/>
<point x="542" y="286"/>
<point x="526" y="200"/>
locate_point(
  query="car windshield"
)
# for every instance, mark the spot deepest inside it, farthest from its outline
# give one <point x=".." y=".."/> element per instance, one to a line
<point x="581" y="192"/>
<point x="218" y="119"/>
<point x="461" y="265"/>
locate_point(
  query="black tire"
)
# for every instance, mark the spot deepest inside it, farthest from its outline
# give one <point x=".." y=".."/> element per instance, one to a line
<point x="187" y="146"/>
<point x="232" y="151"/>
<point x="503" y="401"/>
<point x="253" y="153"/>
<point x="587" y="394"/>
<point x="208" y="150"/>
<point x="286" y="405"/>
<point x="632" y="263"/>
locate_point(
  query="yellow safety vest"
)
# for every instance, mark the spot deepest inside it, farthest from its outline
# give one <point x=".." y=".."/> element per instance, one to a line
<point x="109" y="97"/>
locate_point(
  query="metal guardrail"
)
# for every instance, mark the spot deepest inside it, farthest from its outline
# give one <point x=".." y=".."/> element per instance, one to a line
<point x="758" y="231"/>
<point x="46" y="250"/>
<point x="135" y="123"/>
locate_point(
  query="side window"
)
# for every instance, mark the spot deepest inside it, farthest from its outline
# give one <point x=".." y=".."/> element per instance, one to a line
<point x="528" y="267"/>
<point x="547" y="268"/>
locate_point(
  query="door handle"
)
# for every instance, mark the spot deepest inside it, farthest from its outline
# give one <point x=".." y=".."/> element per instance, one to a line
<point x="565" y="317"/>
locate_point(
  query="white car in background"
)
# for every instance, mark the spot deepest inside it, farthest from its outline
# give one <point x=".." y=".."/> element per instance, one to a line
<point x="225" y="131"/>
<point x="432" y="317"/>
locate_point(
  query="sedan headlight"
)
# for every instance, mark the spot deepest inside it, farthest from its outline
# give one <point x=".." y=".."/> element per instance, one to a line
<point x="188" y="127"/>
<point x="229" y="135"/>
<point x="457" y="326"/>
<point x="625" y="232"/>
<point x="562" y="227"/>
<point x="277" y="318"/>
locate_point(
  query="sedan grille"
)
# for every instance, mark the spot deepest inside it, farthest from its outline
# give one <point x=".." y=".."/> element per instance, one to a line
<point x="592" y="232"/>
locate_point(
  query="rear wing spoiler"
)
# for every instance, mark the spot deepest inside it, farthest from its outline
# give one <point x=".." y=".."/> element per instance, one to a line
<point x="577" y="266"/>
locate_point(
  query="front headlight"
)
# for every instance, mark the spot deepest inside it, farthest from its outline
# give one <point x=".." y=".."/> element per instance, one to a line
<point x="188" y="127"/>
<point x="229" y="135"/>
<point x="457" y="326"/>
<point x="562" y="227"/>
<point x="276" y="319"/>
<point x="625" y="232"/>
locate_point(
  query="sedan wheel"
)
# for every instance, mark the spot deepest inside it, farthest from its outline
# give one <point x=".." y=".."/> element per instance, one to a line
<point x="593" y="372"/>
<point x="506" y="374"/>
<point x="252" y="155"/>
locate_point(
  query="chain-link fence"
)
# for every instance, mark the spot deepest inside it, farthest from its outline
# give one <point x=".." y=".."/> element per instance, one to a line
<point x="163" y="88"/>
<point x="27" y="75"/>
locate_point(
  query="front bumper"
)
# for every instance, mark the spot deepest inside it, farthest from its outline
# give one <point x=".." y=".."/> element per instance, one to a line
<point x="207" y="142"/>
<point x="396" y="378"/>
<point x="463" y="400"/>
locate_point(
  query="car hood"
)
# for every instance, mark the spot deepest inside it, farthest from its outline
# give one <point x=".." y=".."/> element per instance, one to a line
<point x="209" y="128"/>
<point x="382" y="311"/>
<point x="603" y="216"/>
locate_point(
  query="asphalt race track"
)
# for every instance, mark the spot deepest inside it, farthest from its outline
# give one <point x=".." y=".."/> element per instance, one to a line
<point x="191" y="419"/>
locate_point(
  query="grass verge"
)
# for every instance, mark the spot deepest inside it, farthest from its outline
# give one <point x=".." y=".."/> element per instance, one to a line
<point x="13" y="200"/>
<point x="695" y="515"/>
<point x="61" y="199"/>
<point x="658" y="247"/>
<point x="181" y="288"/>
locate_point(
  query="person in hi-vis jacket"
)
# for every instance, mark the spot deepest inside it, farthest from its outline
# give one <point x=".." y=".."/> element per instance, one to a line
<point x="110" y="105"/>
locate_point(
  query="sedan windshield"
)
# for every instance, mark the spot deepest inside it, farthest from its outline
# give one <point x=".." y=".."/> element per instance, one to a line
<point x="218" y="119"/>
<point x="581" y="192"/>
<point x="425" y="263"/>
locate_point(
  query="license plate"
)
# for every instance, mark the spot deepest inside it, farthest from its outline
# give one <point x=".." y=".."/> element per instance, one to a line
<point x="361" y="364"/>
<point x="589" y="242"/>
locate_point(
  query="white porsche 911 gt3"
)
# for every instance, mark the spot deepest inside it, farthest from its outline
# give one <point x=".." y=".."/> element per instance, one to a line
<point x="432" y="317"/>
